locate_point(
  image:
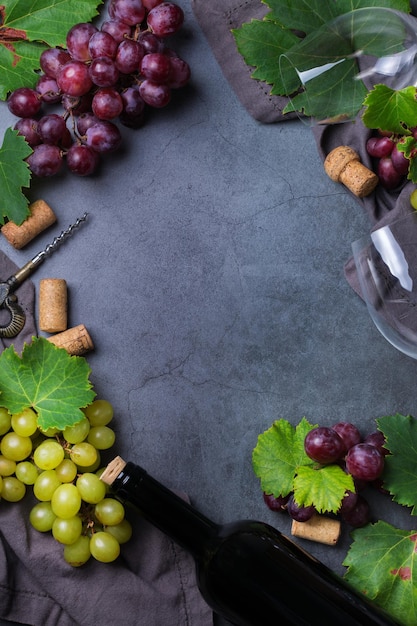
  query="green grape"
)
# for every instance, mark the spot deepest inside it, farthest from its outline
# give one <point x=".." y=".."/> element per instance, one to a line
<point x="122" y="532"/>
<point x="5" y="420"/>
<point x="66" y="471"/>
<point x="109" y="512"/>
<point x="27" y="472"/>
<point x="78" y="553"/>
<point x="99" y="413"/>
<point x="67" y="530"/>
<point x="15" y="447"/>
<point x="45" y="485"/>
<point x="25" y="423"/>
<point x="7" y="466"/>
<point x="104" y="547"/>
<point x="12" y="489"/>
<point x="42" y="517"/>
<point x="90" y="468"/>
<point x="413" y="199"/>
<point x="91" y="488"/>
<point x="101" y="437"/>
<point x="49" y="454"/>
<point x="78" y="432"/>
<point x="83" y="454"/>
<point x="66" y="501"/>
<point x="1" y="483"/>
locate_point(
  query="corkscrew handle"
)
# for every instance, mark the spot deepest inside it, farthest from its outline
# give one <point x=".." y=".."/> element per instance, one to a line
<point x="8" y="299"/>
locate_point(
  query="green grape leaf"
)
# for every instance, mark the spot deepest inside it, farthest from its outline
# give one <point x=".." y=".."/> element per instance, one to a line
<point x="400" y="471"/>
<point x="323" y="488"/>
<point x="14" y="174"/>
<point x="382" y="563"/>
<point x="47" y="379"/>
<point x="390" y="109"/>
<point x="27" y="28"/>
<point x="278" y="453"/>
<point x="293" y="41"/>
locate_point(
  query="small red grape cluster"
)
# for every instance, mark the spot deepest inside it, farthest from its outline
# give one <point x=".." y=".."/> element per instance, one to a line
<point x="362" y="459"/>
<point x="103" y="75"/>
<point x="392" y="165"/>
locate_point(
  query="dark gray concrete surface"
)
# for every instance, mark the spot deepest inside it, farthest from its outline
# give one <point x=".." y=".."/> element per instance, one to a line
<point x="210" y="276"/>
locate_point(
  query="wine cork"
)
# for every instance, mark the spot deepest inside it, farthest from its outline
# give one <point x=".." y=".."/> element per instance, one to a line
<point x="343" y="165"/>
<point x="318" y="528"/>
<point x="53" y="304"/>
<point x="76" y="340"/>
<point x="41" y="216"/>
<point x="112" y="470"/>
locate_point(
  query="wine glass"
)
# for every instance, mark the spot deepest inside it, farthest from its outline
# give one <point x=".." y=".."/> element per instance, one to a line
<point x="331" y="70"/>
<point x="386" y="271"/>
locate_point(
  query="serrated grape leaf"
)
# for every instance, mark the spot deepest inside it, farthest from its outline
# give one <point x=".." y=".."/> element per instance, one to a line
<point x="277" y="455"/>
<point x="285" y="61"/>
<point x="323" y="488"/>
<point x="408" y="145"/>
<point x="14" y="174"/>
<point x="25" y="29"/>
<point x="47" y="379"/>
<point x="390" y="109"/>
<point x="382" y="562"/>
<point x="400" y="471"/>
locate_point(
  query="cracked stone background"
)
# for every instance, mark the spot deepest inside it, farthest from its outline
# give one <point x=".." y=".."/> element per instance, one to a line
<point x="210" y="276"/>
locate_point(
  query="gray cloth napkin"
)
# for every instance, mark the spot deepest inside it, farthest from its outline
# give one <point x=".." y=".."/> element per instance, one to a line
<point x="153" y="583"/>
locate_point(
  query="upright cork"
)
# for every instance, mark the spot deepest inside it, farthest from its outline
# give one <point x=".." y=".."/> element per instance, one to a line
<point x="318" y="528"/>
<point x="343" y="165"/>
<point x="41" y="217"/>
<point x="53" y="305"/>
<point x="112" y="470"/>
<point x="76" y="341"/>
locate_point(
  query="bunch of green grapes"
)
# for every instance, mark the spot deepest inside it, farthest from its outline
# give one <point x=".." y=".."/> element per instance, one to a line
<point x="63" y="470"/>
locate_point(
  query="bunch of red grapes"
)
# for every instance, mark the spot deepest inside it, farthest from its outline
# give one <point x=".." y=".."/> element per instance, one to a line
<point x="391" y="165"/>
<point x="103" y="76"/>
<point x="363" y="459"/>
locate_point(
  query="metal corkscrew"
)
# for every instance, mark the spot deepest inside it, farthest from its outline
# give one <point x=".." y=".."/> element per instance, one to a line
<point x="8" y="299"/>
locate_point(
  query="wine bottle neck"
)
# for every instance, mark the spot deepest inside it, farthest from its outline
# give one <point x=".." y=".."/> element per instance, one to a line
<point x="164" y="509"/>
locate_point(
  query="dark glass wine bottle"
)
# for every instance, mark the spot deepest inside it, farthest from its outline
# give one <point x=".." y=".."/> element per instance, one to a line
<point x="247" y="571"/>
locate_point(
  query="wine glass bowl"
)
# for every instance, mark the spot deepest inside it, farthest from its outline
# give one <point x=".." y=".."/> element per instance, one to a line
<point x="386" y="270"/>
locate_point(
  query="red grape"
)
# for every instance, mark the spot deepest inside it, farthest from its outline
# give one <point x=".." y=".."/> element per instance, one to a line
<point x="165" y="19"/>
<point x="399" y="161"/>
<point x="78" y="39"/>
<point x="278" y="504"/>
<point x="103" y="72"/>
<point x="102" y="44"/>
<point x="82" y="160"/>
<point x="107" y="103"/>
<point x="389" y="178"/>
<point x="103" y="137"/>
<point x="28" y="128"/>
<point x="299" y="513"/>
<point x="52" y="60"/>
<point x="45" y="160"/>
<point x="74" y="79"/>
<point x="359" y="515"/>
<point x="156" y="67"/>
<point x="348" y="432"/>
<point x="379" y="146"/>
<point x="24" y="102"/>
<point x="155" y="94"/>
<point x="365" y="462"/>
<point x="323" y="445"/>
